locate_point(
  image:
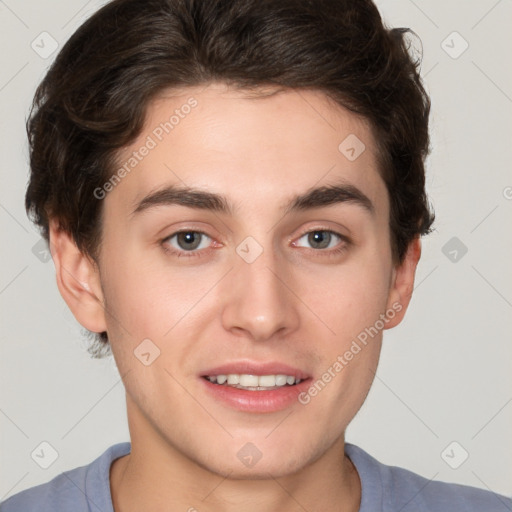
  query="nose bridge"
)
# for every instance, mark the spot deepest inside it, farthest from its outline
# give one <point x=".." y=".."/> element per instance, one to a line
<point x="259" y="302"/>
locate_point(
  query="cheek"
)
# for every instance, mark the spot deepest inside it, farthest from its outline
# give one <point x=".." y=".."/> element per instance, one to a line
<point x="347" y="298"/>
<point x="130" y="303"/>
<point x="147" y="298"/>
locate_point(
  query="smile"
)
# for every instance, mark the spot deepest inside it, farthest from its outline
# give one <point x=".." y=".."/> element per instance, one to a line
<point x="254" y="382"/>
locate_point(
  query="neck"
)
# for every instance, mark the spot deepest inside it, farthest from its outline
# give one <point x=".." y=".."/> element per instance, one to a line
<point x="140" y="482"/>
<point x="157" y="476"/>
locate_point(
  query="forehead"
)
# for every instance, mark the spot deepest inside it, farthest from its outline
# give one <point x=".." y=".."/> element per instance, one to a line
<point x="256" y="150"/>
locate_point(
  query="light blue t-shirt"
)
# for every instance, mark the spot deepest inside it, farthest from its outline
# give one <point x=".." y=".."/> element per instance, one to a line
<point x="384" y="489"/>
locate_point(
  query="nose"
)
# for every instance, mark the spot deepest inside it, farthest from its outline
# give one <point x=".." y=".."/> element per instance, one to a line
<point x="260" y="302"/>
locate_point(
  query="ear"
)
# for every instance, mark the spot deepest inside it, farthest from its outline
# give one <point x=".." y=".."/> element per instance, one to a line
<point x="78" y="280"/>
<point x="402" y="283"/>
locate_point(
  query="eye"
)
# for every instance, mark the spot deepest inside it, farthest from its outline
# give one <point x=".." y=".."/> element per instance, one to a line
<point x="186" y="241"/>
<point x="190" y="243"/>
<point x="321" y="239"/>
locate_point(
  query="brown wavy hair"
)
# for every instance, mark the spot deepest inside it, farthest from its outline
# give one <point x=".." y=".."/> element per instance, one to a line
<point x="94" y="97"/>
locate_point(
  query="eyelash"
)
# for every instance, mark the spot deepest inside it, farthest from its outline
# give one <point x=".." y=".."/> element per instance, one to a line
<point x="199" y="254"/>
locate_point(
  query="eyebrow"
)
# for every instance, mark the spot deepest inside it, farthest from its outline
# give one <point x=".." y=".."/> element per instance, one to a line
<point x="326" y="195"/>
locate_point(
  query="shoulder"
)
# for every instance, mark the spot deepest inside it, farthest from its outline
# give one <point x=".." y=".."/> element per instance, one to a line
<point x="415" y="492"/>
<point x="391" y="488"/>
<point x="81" y="489"/>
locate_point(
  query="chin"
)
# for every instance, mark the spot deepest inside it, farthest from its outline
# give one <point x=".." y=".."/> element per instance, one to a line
<point x="261" y="470"/>
<point x="261" y="458"/>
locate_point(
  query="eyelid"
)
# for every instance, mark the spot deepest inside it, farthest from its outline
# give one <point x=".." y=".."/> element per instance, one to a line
<point x="344" y="238"/>
<point x="320" y="228"/>
<point x="188" y="255"/>
<point x="189" y="230"/>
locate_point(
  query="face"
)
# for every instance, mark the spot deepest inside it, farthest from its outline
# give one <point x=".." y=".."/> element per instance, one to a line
<point x="258" y="283"/>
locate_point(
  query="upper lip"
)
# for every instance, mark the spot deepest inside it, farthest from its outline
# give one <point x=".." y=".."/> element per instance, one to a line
<point x="255" y="368"/>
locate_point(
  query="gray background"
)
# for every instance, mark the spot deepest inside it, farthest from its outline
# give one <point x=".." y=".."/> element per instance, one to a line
<point x="445" y="373"/>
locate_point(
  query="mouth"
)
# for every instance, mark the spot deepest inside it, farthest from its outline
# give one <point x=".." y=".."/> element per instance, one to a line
<point x="255" y="387"/>
<point x="253" y="382"/>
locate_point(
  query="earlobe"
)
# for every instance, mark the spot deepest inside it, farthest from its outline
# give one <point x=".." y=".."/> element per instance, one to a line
<point x="402" y="283"/>
<point x="78" y="280"/>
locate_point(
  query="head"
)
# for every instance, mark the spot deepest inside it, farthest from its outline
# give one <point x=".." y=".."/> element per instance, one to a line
<point x="232" y="122"/>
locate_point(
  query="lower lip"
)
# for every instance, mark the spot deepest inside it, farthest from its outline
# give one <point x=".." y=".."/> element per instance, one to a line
<point x="256" y="401"/>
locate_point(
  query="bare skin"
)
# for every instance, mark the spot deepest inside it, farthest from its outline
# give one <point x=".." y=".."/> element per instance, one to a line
<point x="296" y="303"/>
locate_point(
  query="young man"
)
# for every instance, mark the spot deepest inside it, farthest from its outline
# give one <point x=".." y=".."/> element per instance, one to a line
<point x="233" y="195"/>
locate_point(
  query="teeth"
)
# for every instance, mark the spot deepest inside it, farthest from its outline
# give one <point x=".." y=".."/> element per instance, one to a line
<point x="246" y="381"/>
<point x="281" y="380"/>
<point x="233" y="379"/>
<point x="268" y="381"/>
